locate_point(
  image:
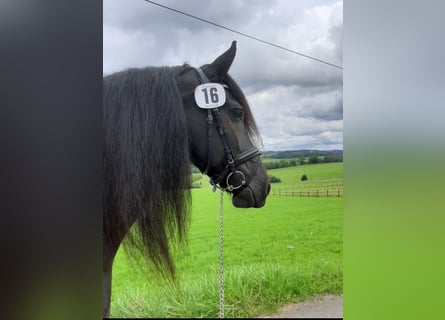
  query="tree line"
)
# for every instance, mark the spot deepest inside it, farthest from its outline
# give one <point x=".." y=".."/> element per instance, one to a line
<point x="301" y="161"/>
<point x="294" y="162"/>
<point x="295" y="154"/>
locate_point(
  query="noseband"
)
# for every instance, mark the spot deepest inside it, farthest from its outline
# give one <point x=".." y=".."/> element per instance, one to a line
<point x="230" y="172"/>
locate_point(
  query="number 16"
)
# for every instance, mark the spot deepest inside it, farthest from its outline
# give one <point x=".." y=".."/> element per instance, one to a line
<point x="213" y="95"/>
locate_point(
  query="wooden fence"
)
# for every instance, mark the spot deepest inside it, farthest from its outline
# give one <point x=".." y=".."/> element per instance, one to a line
<point x="308" y="193"/>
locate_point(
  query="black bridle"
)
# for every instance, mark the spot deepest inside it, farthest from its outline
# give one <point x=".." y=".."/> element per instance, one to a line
<point x="230" y="171"/>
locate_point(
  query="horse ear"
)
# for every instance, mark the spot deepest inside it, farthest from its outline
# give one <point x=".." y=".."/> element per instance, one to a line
<point x="222" y="64"/>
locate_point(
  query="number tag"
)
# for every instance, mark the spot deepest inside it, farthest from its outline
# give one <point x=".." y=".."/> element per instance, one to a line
<point x="210" y="95"/>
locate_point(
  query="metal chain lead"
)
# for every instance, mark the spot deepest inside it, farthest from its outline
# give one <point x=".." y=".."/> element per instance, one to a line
<point x="221" y="257"/>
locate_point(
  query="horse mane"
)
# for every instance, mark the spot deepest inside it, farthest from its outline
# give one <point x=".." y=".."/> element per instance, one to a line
<point x="146" y="161"/>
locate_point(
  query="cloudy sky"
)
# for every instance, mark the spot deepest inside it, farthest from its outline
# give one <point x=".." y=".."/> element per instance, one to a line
<point x="297" y="102"/>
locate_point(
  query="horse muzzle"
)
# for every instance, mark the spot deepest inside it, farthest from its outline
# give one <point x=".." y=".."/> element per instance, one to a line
<point x="246" y="197"/>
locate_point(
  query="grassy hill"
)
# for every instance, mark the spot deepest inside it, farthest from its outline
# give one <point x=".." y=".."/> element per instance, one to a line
<point x="323" y="177"/>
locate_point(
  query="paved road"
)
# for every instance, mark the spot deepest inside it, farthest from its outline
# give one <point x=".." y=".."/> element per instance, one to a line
<point x="327" y="306"/>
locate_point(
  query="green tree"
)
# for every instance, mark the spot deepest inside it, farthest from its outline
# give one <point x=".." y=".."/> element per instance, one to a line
<point x="284" y="163"/>
<point x="274" y="179"/>
<point x="314" y="160"/>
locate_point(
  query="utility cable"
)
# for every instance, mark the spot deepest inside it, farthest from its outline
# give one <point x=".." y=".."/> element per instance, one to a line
<point x="243" y="34"/>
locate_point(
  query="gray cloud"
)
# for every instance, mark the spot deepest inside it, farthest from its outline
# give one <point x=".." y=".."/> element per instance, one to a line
<point x="296" y="101"/>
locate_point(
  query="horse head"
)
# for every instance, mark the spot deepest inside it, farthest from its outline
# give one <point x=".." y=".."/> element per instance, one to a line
<point x="222" y="132"/>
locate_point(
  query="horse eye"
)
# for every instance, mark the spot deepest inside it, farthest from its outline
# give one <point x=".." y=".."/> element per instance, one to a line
<point x="237" y="114"/>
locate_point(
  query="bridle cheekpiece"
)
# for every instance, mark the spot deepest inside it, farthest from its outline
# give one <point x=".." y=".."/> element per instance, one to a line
<point x="230" y="172"/>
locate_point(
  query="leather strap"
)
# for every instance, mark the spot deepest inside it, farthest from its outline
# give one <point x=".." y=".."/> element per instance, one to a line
<point x="202" y="76"/>
<point x="232" y="161"/>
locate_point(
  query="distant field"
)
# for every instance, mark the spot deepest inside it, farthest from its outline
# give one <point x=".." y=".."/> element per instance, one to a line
<point x="313" y="171"/>
<point x="321" y="177"/>
<point x="287" y="251"/>
<point x="275" y="160"/>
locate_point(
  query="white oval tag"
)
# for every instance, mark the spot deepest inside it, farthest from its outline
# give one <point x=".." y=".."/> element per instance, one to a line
<point x="210" y="95"/>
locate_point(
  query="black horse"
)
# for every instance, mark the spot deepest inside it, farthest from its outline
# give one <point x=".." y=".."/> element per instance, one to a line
<point x="153" y="129"/>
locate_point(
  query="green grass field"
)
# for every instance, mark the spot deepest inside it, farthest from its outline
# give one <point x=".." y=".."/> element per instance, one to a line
<point x="287" y="251"/>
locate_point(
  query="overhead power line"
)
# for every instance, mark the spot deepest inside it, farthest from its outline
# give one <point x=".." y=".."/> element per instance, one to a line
<point x="243" y="34"/>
